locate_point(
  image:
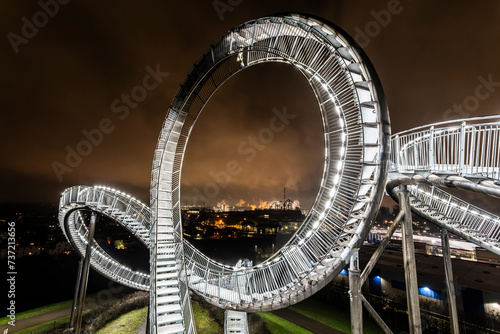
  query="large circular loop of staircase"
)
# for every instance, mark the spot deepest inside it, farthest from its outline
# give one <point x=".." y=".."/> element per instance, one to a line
<point x="356" y="144"/>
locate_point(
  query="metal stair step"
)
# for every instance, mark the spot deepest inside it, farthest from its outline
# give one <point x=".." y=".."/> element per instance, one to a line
<point x="167" y="275"/>
<point x="167" y="299"/>
<point x="168" y="308"/>
<point x="176" y="329"/>
<point x="168" y="290"/>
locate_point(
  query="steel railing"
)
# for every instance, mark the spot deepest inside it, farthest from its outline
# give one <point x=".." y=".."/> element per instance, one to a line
<point x="469" y="148"/>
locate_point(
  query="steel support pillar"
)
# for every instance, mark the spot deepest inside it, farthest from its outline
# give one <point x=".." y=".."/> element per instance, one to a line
<point x="355" y="293"/>
<point x="75" y="297"/>
<point x="85" y="274"/>
<point x="375" y="316"/>
<point x="450" y="284"/>
<point x="409" y="263"/>
<point x="380" y="249"/>
<point x="371" y="264"/>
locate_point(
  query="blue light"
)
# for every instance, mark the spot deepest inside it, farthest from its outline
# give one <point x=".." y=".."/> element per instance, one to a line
<point x="428" y="292"/>
<point x="344" y="272"/>
<point x="377" y="279"/>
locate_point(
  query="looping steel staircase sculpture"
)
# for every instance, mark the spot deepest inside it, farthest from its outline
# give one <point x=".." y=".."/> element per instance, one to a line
<point x="357" y="144"/>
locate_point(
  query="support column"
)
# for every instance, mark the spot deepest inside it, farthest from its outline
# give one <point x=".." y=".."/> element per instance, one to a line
<point x="450" y="284"/>
<point x="381" y="247"/>
<point x="75" y="297"/>
<point x="85" y="274"/>
<point x="375" y="316"/>
<point x="410" y="263"/>
<point x="355" y="294"/>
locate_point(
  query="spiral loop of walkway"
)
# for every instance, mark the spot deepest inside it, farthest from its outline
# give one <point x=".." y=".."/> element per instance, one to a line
<point x="461" y="154"/>
<point x="125" y="210"/>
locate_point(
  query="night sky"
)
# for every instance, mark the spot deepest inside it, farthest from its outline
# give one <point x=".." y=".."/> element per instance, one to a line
<point x="65" y="80"/>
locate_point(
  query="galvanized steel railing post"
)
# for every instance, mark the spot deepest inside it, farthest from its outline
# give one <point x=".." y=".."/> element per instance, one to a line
<point x="431" y="149"/>
<point x="415" y="152"/>
<point x="397" y="149"/>
<point x="461" y="150"/>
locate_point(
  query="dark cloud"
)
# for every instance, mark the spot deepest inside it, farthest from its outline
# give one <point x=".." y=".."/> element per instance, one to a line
<point x="64" y="80"/>
<point x="291" y="157"/>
